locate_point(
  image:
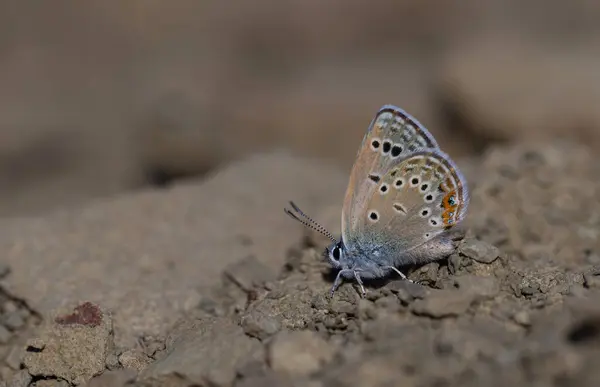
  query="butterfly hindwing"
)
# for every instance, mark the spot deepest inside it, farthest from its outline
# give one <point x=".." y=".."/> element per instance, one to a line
<point x="418" y="198"/>
<point x="392" y="136"/>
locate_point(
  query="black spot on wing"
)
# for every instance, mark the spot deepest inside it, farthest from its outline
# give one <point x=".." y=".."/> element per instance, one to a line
<point x="374" y="178"/>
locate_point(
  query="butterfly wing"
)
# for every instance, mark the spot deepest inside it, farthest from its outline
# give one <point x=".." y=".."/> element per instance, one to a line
<point x="392" y="135"/>
<point x="418" y="198"/>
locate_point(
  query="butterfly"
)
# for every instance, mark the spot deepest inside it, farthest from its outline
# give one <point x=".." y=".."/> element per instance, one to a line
<point x="403" y="197"/>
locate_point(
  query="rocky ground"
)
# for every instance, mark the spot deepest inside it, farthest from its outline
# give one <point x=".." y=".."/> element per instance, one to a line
<point x="209" y="284"/>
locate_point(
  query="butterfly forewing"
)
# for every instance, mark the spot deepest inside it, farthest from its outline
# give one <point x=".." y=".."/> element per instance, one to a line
<point x="417" y="199"/>
<point x="392" y="136"/>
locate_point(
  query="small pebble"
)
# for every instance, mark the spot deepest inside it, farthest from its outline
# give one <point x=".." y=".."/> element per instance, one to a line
<point x="260" y="325"/>
<point x="135" y="360"/>
<point x="153" y="347"/>
<point x="479" y="251"/>
<point x="454" y="263"/>
<point x="522" y="318"/>
<point x="112" y="361"/>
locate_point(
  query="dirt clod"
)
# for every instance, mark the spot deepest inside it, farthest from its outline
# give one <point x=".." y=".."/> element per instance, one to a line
<point x="479" y="251"/>
<point x="84" y="314"/>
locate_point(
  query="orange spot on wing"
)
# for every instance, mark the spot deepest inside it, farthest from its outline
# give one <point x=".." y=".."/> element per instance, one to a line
<point x="450" y="200"/>
<point x="450" y="204"/>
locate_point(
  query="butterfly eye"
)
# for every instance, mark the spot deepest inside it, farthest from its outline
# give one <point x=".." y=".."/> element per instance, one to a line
<point x="336" y="253"/>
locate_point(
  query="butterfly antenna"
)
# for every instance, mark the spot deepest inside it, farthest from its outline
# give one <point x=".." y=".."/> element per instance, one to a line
<point x="308" y="221"/>
<point x="319" y="228"/>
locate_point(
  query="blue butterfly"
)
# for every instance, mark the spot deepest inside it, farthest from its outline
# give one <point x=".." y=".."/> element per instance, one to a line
<point x="403" y="196"/>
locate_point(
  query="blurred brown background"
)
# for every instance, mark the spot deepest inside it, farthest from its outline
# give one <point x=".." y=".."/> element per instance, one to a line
<point x="102" y="97"/>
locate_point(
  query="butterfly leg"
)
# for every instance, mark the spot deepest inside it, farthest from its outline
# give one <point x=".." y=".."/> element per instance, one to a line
<point x="337" y="282"/>
<point x="363" y="292"/>
<point x="402" y="275"/>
